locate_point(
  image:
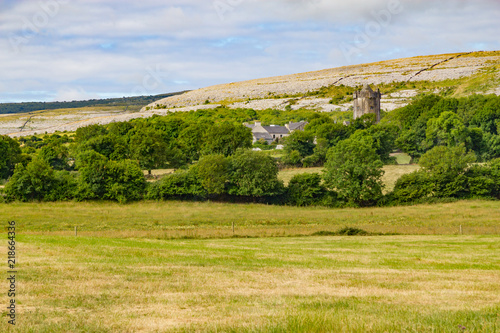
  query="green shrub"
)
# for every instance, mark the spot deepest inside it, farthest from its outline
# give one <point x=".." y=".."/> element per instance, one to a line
<point x="39" y="182"/>
<point x="306" y="189"/>
<point x="292" y="158"/>
<point x="99" y="178"/>
<point x="413" y="186"/>
<point x="480" y="182"/>
<point x="179" y="185"/>
<point x="254" y="174"/>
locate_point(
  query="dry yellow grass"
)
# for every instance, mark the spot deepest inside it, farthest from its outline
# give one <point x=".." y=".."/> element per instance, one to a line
<point x="333" y="284"/>
<point x="394" y="172"/>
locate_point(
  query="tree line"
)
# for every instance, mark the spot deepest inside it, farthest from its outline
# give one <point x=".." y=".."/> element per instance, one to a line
<point x="25" y="107"/>
<point x="210" y="151"/>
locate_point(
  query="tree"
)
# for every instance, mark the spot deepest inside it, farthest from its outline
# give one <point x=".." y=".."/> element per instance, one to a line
<point x="381" y="137"/>
<point x="112" y="146"/>
<point x="494" y="166"/>
<point x="254" y="174"/>
<point x="92" y="175"/>
<point x="447" y="129"/>
<point x="126" y="181"/>
<point x="300" y="141"/>
<point x="480" y="181"/>
<point x="100" y="178"/>
<point x="488" y="117"/>
<point x="57" y="155"/>
<point x="10" y="155"/>
<point x="88" y="132"/>
<point x="149" y="148"/>
<point x="354" y="170"/>
<point x="226" y="138"/>
<point x="492" y="146"/>
<point x="191" y="140"/>
<point x="409" y="114"/>
<point x="332" y="133"/>
<point x="213" y="172"/>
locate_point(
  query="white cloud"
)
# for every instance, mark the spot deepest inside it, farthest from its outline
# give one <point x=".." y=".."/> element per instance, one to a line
<point x="106" y="47"/>
<point x="68" y="94"/>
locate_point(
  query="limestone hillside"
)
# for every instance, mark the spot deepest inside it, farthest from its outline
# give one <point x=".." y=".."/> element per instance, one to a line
<point x="450" y="69"/>
<point x="399" y="80"/>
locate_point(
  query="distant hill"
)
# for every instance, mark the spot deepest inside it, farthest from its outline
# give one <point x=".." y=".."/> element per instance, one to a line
<point x="457" y="74"/>
<point x="138" y="101"/>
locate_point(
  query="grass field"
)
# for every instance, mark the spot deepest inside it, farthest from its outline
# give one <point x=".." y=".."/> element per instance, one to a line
<point x="178" y="267"/>
<point x="313" y="284"/>
<point x="174" y="219"/>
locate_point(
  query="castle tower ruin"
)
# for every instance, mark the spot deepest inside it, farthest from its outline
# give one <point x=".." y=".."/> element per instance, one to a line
<point x="367" y="101"/>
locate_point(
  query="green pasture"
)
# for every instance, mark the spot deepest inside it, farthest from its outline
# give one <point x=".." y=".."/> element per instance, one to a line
<point x="174" y="219"/>
<point x="294" y="284"/>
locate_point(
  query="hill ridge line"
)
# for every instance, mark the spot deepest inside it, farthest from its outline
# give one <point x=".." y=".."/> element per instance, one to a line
<point x="437" y="64"/>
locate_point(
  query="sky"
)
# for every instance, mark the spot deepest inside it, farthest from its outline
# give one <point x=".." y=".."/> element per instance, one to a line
<point x="63" y="50"/>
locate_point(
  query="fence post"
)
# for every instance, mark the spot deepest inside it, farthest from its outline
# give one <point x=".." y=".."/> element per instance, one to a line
<point x="76" y="232"/>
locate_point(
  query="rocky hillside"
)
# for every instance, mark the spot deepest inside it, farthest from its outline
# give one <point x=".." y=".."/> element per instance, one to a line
<point x="466" y="72"/>
<point x="399" y="80"/>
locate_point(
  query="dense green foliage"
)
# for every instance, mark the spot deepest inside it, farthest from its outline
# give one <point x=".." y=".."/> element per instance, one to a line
<point x="209" y="152"/>
<point x="447" y="173"/>
<point x="10" y="155"/>
<point x="435" y="121"/>
<point x="254" y="174"/>
<point x="38" y="181"/>
<point x="306" y="189"/>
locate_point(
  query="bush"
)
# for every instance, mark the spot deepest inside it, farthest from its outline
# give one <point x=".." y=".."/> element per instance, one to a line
<point x="346" y="231"/>
<point x="213" y="173"/>
<point x="10" y="154"/>
<point x="480" y="182"/>
<point x="292" y="158"/>
<point x="413" y="186"/>
<point x="306" y="189"/>
<point x="181" y="185"/>
<point x="39" y="182"/>
<point x="99" y="178"/>
<point x="254" y="174"/>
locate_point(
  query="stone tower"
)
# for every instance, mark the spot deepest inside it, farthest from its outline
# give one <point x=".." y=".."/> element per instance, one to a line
<point x="367" y="101"/>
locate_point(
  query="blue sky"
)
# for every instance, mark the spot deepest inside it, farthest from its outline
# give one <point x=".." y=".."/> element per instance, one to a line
<point x="81" y="49"/>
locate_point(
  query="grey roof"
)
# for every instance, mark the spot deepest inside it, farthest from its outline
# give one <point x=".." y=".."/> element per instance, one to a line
<point x="264" y="136"/>
<point x="294" y="126"/>
<point x="276" y="129"/>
